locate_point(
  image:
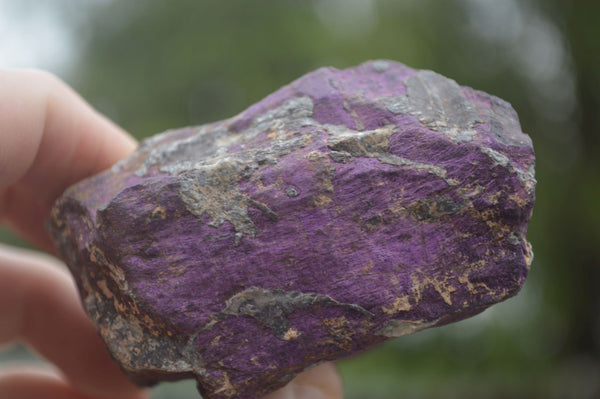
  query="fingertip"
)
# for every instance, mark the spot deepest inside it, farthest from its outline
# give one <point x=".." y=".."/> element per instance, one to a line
<point x="50" y="138"/>
<point x="25" y="382"/>
<point x="325" y="378"/>
<point x="119" y="388"/>
<point x="319" y="382"/>
<point x="117" y="144"/>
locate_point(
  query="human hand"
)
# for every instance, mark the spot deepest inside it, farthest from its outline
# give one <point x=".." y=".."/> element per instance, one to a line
<point x="49" y="139"/>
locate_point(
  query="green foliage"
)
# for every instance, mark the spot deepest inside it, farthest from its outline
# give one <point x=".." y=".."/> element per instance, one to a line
<point x="162" y="65"/>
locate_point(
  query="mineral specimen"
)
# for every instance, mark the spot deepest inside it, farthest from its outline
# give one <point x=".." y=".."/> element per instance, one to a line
<point x="348" y="207"/>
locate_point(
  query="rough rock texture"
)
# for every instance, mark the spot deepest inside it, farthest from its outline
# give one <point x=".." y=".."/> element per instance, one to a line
<point x="348" y="207"/>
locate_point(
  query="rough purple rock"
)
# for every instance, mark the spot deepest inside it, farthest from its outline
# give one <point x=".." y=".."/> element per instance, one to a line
<point x="348" y="207"/>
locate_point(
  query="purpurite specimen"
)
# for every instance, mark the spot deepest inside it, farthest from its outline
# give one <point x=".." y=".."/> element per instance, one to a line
<point x="348" y="207"/>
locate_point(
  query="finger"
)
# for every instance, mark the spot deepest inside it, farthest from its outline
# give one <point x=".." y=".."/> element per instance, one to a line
<point x="320" y="382"/>
<point x="39" y="304"/>
<point x="50" y="138"/>
<point x="37" y="382"/>
<point x="33" y="384"/>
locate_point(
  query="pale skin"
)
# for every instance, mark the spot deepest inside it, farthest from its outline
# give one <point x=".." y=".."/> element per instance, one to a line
<point x="51" y="138"/>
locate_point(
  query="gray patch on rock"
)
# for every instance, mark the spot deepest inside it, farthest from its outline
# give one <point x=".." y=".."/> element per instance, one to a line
<point x="504" y="123"/>
<point x="214" y="192"/>
<point x="375" y="144"/>
<point x="271" y="307"/>
<point x="380" y="66"/>
<point x="526" y="177"/>
<point x="292" y="192"/>
<point x="398" y="328"/>
<point x="439" y="103"/>
<point x="434" y="208"/>
<point x="208" y="185"/>
<point x="397" y="105"/>
<point x="513" y="238"/>
<point x="340" y="156"/>
<point x="201" y="144"/>
<point x="438" y="171"/>
<point x="293" y="114"/>
<point x="208" y="145"/>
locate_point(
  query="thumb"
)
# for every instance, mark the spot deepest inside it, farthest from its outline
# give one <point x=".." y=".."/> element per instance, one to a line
<point x="320" y="382"/>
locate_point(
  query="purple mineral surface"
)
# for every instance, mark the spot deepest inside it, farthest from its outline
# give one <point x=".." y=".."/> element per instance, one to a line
<point x="347" y="208"/>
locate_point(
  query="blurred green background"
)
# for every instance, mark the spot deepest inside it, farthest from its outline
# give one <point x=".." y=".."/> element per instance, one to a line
<point x="154" y="64"/>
